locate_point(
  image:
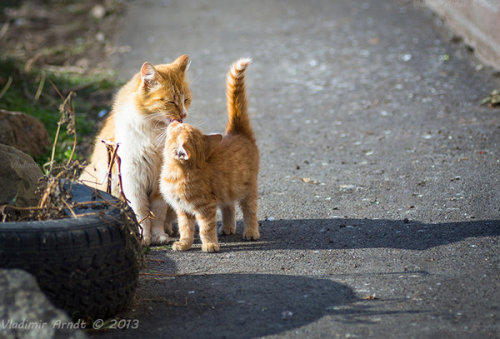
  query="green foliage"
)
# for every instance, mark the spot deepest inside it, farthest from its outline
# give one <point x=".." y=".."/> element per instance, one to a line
<point x="52" y="88"/>
<point x="8" y="3"/>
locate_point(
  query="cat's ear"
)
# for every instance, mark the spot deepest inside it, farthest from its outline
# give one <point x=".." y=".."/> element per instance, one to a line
<point x="183" y="62"/>
<point x="211" y="142"/>
<point x="149" y="75"/>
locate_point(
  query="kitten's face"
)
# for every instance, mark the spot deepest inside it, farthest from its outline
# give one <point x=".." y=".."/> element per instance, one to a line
<point x="188" y="144"/>
<point x="164" y="93"/>
<point x="183" y="141"/>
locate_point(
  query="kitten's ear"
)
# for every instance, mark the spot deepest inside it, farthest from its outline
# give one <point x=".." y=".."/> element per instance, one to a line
<point x="183" y="62"/>
<point x="211" y="142"/>
<point x="181" y="153"/>
<point x="149" y="75"/>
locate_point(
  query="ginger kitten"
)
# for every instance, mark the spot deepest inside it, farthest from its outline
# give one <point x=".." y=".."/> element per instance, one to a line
<point x="141" y="112"/>
<point x="201" y="172"/>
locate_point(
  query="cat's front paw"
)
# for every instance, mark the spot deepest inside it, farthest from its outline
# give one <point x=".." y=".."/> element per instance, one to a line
<point x="160" y="239"/>
<point x="227" y="230"/>
<point x="146" y="240"/>
<point x="181" y="246"/>
<point x="251" y="235"/>
<point x="210" y="247"/>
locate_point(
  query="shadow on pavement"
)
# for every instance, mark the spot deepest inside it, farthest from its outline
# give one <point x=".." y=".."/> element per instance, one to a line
<point x="360" y="233"/>
<point x="234" y="305"/>
<point x="237" y="305"/>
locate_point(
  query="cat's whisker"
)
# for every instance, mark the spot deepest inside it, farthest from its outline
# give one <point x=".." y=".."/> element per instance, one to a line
<point x="160" y="139"/>
<point x="158" y="123"/>
<point x="154" y="116"/>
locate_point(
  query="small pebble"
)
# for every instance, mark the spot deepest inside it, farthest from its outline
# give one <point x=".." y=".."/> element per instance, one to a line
<point x="102" y="113"/>
<point x="98" y="12"/>
<point x="406" y="57"/>
<point x="286" y="315"/>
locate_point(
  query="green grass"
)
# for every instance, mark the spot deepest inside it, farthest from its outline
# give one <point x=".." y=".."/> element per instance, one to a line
<point x="8" y="4"/>
<point x="20" y="96"/>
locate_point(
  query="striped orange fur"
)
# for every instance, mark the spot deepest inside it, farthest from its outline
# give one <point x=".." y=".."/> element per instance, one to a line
<point x="237" y="106"/>
<point x="202" y="172"/>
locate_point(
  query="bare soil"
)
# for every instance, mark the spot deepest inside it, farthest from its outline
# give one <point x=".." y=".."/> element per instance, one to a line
<point x="69" y="35"/>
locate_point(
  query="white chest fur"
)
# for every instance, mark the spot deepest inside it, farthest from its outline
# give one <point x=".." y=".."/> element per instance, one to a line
<point x="140" y="150"/>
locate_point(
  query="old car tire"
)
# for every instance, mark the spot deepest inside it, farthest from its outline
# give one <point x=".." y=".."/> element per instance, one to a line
<point x="87" y="266"/>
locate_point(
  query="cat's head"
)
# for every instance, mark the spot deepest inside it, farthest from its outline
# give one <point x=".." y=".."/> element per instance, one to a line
<point x="163" y="94"/>
<point x="187" y="144"/>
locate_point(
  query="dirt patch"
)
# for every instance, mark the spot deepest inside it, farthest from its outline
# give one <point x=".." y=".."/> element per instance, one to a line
<point x="68" y="43"/>
<point x="65" y="35"/>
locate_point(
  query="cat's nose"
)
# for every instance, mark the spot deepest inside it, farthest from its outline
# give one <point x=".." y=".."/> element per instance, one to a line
<point x="183" y="115"/>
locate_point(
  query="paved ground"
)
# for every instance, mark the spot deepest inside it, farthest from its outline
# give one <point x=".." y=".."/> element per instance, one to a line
<point x="380" y="180"/>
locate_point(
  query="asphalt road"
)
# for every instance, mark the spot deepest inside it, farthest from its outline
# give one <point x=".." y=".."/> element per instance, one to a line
<point x="380" y="177"/>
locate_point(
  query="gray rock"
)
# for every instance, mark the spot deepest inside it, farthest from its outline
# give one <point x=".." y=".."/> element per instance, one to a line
<point x="24" y="132"/>
<point x="25" y="312"/>
<point x="19" y="176"/>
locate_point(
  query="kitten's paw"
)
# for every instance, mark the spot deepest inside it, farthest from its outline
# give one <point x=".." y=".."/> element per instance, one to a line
<point x="251" y="235"/>
<point x="146" y="240"/>
<point x="227" y="230"/>
<point x="172" y="232"/>
<point x="181" y="246"/>
<point x="160" y="239"/>
<point x="210" y="247"/>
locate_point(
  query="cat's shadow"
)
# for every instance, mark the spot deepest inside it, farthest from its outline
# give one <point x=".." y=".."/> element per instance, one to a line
<point x="316" y="234"/>
<point x="233" y="305"/>
<point x="240" y="306"/>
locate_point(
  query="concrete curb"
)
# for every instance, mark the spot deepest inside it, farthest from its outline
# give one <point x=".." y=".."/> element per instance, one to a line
<point x="477" y="21"/>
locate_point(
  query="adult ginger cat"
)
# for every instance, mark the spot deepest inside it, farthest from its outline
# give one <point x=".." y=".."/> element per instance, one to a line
<point x="201" y="172"/>
<point x="141" y="112"/>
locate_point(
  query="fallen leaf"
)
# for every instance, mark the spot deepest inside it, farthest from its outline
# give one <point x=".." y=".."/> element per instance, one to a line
<point x="310" y="181"/>
<point x="493" y="99"/>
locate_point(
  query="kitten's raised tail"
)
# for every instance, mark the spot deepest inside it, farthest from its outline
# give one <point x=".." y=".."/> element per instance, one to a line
<point x="238" y="119"/>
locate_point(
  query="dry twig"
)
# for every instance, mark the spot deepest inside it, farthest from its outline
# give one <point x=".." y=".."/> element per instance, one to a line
<point x="40" y="86"/>
<point x="6" y="87"/>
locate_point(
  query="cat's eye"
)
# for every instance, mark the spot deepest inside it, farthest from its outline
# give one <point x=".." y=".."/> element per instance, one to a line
<point x="186" y="100"/>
